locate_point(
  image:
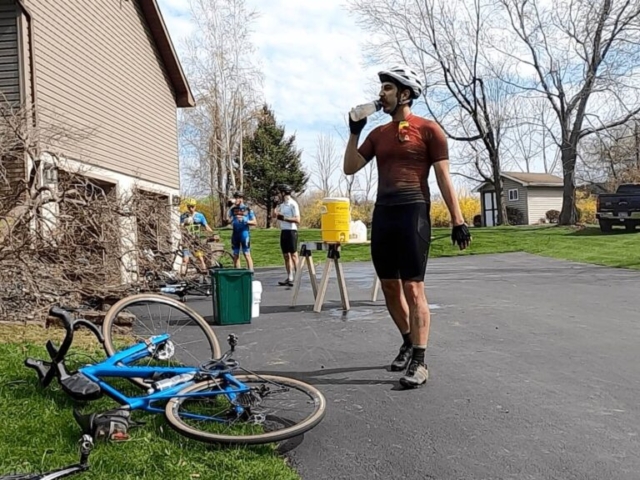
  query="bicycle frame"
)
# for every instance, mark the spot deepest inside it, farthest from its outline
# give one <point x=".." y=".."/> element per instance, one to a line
<point x="117" y="366"/>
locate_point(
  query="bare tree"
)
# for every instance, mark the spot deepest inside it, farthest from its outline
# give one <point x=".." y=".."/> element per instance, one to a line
<point x="349" y="184"/>
<point x="327" y="162"/>
<point x="530" y="144"/>
<point x="580" y="52"/>
<point x="227" y="87"/>
<point x="611" y="157"/>
<point x="447" y="40"/>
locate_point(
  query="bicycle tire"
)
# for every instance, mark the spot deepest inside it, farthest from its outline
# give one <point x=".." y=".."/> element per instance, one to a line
<point x="273" y="437"/>
<point x="113" y="312"/>
<point x="223" y="260"/>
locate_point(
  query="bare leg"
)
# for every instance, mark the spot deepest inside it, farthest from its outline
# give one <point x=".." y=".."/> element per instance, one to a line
<point x="419" y="314"/>
<point x="249" y="260"/>
<point x="396" y="303"/>
<point x="236" y="261"/>
<point x="184" y="266"/>
<point x="290" y="266"/>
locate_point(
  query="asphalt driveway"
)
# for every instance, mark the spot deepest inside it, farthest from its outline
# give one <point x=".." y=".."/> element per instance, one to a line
<point x="534" y="364"/>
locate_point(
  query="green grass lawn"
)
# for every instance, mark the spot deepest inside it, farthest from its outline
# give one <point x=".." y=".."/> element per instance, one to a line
<point x="39" y="433"/>
<point x="617" y="249"/>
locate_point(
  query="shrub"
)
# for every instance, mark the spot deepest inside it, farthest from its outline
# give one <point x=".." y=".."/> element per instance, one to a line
<point x="469" y="205"/>
<point x="311" y="208"/>
<point x="477" y="220"/>
<point x="587" y="206"/>
<point x="362" y="212"/>
<point x="515" y="216"/>
<point x="552" y="216"/>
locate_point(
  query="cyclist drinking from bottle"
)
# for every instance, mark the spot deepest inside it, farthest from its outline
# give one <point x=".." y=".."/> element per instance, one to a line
<point x="405" y="149"/>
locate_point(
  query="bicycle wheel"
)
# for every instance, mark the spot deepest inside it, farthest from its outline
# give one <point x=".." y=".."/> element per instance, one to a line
<point x="218" y="422"/>
<point x="192" y="340"/>
<point x="222" y="259"/>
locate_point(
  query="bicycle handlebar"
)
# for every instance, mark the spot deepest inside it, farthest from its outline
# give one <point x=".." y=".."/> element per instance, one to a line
<point x="70" y="326"/>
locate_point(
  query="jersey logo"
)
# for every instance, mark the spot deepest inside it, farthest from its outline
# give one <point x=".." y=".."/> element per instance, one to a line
<point x="403" y="131"/>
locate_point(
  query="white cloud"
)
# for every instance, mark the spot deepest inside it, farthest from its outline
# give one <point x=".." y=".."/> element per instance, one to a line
<point x="311" y="55"/>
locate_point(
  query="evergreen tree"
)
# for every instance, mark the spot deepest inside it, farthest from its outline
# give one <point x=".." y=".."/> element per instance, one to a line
<point x="271" y="159"/>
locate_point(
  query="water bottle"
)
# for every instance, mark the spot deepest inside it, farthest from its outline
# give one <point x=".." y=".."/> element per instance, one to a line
<point x="170" y="382"/>
<point x="361" y="111"/>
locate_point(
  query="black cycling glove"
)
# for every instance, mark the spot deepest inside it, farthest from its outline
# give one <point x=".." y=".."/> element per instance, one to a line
<point x="356" y="127"/>
<point x="460" y="234"/>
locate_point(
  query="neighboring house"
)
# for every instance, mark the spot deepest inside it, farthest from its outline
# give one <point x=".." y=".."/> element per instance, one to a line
<point x="108" y="66"/>
<point x="532" y="193"/>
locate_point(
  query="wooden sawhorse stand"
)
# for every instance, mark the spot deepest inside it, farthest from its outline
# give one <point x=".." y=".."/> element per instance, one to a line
<point x="333" y="258"/>
<point x="304" y="259"/>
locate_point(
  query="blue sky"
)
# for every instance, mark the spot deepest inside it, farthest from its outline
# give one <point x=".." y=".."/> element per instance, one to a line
<point x="311" y="56"/>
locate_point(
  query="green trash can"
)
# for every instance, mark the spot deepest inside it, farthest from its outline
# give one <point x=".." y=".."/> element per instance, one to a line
<point x="231" y="295"/>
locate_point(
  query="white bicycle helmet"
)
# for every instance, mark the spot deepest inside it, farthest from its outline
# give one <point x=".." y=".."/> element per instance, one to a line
<point x="406" y="76"/>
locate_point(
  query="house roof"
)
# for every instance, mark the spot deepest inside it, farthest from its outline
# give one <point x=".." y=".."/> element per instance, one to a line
<point x="529" y="180"/>
<point x="151" y="10"/>
<point x="534" y="179"/>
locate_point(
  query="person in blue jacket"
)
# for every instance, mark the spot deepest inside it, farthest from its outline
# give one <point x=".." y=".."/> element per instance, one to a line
<point x="241" y="218"/>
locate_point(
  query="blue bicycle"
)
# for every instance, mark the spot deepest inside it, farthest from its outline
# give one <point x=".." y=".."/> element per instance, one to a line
<point x="205" y="402"/>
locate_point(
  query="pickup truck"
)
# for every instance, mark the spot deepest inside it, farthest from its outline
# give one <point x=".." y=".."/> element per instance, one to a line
<point x="620" y="208"/>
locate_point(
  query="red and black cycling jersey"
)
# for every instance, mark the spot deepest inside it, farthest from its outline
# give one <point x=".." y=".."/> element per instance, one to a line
<point x="404" y="153"/>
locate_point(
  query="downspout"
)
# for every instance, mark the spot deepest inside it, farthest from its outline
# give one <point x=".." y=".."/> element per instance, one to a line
<point x="37" y="167"/>
<point x="32" y="61"/>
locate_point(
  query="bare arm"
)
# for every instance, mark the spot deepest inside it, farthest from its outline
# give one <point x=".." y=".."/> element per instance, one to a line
<point x="292" y="219"/>
<point x="445" y="184"/>
<point x="353" y="161"/>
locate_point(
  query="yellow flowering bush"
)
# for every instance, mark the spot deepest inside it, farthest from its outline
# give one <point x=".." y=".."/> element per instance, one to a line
<point x="469" y="205"/>
<point x="311" y="210"/>
<point x="587" y="206"/>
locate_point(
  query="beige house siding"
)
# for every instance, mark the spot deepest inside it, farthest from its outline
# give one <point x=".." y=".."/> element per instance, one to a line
<point x="98" y="70"/>
<point x="521" y="202"/>
<point x="541" y="200"/>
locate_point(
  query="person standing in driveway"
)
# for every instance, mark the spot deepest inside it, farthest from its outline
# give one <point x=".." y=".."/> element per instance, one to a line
<point x="288" y="215"/>
<point x="406" y="149"/>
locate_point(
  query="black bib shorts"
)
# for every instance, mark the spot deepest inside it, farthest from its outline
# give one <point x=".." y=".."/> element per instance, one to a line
<point x="400" y="240"/>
